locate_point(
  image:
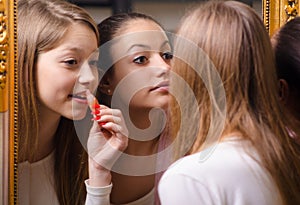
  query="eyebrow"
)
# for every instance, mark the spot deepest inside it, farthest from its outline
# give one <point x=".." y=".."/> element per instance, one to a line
<point x="164" y="43"/>
<point x="74" y="48"/>
<point x="138" y="45"/>
<point x="146" y="46"/>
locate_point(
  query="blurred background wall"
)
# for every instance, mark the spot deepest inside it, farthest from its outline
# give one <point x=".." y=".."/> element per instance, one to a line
<point x="167" y="12"/>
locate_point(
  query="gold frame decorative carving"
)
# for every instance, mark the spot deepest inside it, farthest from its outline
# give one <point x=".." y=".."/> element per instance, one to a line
<point x="278" y="12"/>
<point x="8" y="102"/>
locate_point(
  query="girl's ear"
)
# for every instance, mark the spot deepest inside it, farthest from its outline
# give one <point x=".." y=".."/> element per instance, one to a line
<point x="105" y="85"/>
<point x="283" y="91"/>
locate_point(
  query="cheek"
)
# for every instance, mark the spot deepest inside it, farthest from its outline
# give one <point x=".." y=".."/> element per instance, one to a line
<point x="138" y="78"/>
<point x="132" y="85"/>
<point x="54" y="85"/>
<point x="44" y="81"/>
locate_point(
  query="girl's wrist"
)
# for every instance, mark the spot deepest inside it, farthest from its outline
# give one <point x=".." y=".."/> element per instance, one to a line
<point x="98" y="176"/>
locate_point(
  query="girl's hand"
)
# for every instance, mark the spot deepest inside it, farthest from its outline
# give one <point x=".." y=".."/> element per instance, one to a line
<point x="106" y="142"/>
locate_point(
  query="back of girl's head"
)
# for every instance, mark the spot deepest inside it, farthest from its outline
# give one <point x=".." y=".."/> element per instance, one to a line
<point x="286" y="43"/>
<point x="234" y="38"/>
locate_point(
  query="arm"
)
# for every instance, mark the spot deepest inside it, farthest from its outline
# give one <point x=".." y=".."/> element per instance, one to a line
<point x="107" y="140"/>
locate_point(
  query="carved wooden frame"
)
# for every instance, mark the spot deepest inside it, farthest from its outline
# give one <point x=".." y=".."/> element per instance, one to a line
<point x="278" y="12"/>
<point x="275" y="14"/>
<point x="8" y="102"/>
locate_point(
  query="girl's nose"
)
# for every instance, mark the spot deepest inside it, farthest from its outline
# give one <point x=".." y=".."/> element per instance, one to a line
<point x="162" y="64"/>
<point x="87" y="74"/>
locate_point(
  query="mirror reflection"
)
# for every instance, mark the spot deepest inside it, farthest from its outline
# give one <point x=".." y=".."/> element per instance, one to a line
<point x="59" y="85"/>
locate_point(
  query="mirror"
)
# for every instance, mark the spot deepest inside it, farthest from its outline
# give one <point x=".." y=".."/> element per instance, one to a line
<point x="8" y="102"/>
<point x="274" y="14"/>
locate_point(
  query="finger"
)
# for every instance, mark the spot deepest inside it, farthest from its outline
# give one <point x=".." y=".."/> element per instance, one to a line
<point x="103" y="107"/>
<point x="109" y="111"/>
<point x="119" y="138"/>
<point x="108" y="118"/>
<point x="95" y="128"/>
<point x="115" y="128"/>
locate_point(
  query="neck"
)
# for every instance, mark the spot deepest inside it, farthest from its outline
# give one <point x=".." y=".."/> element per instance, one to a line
<point x="144" y="118"/>
<point x="48" y="127"/>
<point x="145" y="126"/>
<point x="142" y="148"/>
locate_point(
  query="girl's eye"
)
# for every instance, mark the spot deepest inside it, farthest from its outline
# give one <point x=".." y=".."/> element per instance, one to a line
<point x="93" y="63"/>
<point x="167" y="55"/>
<point x="140" y="60"/>
<point x="71" y="62"/>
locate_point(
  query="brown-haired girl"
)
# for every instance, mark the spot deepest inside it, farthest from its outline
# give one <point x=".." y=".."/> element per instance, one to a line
<point x="252" y="160"/>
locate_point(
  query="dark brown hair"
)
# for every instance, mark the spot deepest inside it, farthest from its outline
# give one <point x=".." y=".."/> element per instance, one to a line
<point x="287" y="53"/>
<point x="110" y="28"/>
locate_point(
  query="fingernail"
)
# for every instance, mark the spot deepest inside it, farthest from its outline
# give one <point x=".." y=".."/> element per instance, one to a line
<point x="101" y="123"/>
<point x="96" y="105"/>
<point x="96" y="112"/>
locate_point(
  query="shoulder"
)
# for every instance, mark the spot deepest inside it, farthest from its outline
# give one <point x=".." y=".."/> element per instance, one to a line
<point x="227" y="172"/>
<point x="219" y="159"/>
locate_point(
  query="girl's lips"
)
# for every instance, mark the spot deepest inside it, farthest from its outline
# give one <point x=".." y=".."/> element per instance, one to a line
<point x="162" y="86"/>
<point x="78" y="98"/>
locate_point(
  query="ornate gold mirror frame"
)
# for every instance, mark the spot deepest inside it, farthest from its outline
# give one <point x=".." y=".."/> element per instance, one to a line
<point x="278" y="12"/>
<point x="275" y="14"/>
<point x="8" y="102"/>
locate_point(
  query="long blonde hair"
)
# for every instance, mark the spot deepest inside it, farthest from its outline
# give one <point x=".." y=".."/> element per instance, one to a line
<point x="41" y="24"/>
<point x="235" y="40"/>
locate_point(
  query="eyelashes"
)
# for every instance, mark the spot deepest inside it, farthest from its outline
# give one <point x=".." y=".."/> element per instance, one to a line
<point x="71" y="62"/>
<point x="167" y="55"/>
<point x="143" y="59"/>
<point x="140" y="59"/>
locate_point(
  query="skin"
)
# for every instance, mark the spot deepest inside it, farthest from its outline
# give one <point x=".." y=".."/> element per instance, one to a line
<point x="63" y="76"/>
<point x="141" y="70"/>
<point x="140" y="81"/>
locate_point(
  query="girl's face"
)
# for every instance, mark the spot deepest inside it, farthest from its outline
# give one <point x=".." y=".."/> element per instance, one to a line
<point x="64" y="74"/>
<point x="141" y="55"/>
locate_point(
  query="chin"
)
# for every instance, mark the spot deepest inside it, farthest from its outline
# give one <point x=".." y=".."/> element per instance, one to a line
<point x="163" y="104"/>
<point x="78" y="115"/>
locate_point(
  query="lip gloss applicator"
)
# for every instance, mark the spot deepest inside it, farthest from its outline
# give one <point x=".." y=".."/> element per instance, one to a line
<point x="94" y="106"/>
